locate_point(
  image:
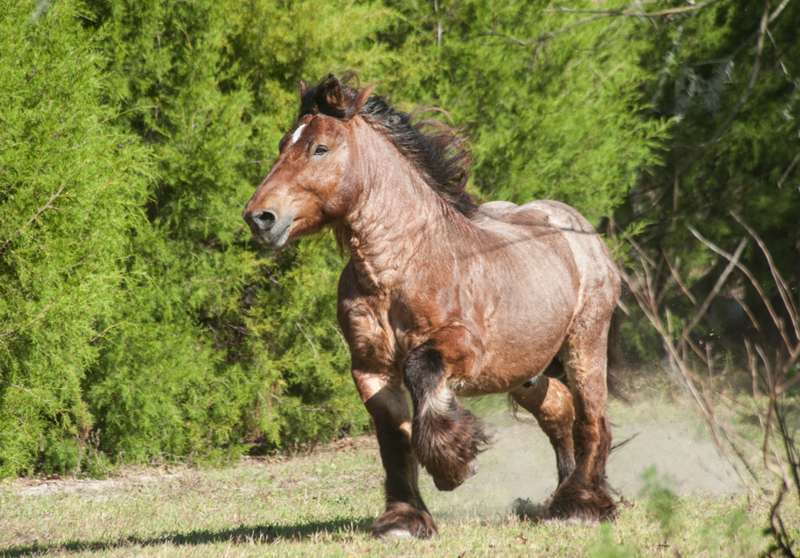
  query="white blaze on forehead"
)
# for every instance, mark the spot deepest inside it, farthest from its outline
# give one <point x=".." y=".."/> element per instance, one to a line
<point x="296" y="134"/>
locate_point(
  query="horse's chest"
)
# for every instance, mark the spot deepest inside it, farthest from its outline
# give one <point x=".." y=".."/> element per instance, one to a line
<point x="384" y="335"/>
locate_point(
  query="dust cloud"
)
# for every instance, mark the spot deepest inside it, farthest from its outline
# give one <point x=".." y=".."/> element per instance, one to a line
<point x="519" y="471"/>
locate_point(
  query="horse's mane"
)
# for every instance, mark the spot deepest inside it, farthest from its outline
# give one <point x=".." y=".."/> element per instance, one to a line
<point x="437" y="150"/>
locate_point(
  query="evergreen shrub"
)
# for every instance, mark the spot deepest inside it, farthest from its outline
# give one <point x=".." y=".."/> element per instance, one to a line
<point x="71" y="186"/>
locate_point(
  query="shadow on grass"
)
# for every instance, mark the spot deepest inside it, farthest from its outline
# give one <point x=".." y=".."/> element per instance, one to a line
<point x="240" y="535"/>
<point x="528" y="511"/>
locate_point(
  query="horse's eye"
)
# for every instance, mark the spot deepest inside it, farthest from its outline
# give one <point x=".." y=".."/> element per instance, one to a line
<point x="281" y="144"/>
<point x="320" y="150"/>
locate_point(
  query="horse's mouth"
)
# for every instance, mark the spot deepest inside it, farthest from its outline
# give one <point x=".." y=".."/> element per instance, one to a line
<point x="275" y="238"/>
<point x="277" y="235"/>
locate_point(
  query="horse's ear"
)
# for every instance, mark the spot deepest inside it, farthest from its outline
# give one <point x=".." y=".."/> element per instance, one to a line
<point x="303" y="89"/>
<point x="363" y="95"/>
<point x="333" y="92"/>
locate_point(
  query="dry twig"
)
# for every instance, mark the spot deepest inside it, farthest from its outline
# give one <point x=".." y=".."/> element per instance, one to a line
<point x="771" y="376"/>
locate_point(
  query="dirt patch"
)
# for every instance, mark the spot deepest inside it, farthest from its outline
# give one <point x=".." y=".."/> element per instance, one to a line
<point x="520" y="465"/>
<point x="89" y="488"/>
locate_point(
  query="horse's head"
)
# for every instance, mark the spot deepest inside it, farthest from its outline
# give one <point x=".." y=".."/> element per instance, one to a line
<point x="311" y="183"/>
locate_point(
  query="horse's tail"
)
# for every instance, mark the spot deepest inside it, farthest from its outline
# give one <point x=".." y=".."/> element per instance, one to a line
<point x="615" y="362"/>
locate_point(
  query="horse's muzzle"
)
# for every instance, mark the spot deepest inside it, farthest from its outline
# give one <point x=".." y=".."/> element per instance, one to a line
<point x="268" y="227"/>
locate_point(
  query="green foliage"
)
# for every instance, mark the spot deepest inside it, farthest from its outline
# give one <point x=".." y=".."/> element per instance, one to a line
<point x="315" y="397"/>
<point x="167" y="381"/>
<point x="70" y="188"/>
<point x="559" y="119"/>
<point x="203" y="367"/>
<point x="137" y="318"/>
<point x="136" y="336"/>
<point x="735" y="114"/>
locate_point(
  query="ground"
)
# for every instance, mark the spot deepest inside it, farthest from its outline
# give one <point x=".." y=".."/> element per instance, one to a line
<point x="320" y="503"/>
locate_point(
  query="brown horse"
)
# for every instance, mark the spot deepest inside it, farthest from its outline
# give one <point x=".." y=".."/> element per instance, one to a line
<point x="444" y="298"/>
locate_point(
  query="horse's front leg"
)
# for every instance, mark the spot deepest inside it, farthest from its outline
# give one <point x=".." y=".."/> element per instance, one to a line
<point x="446" y="437"/>
<point x="406" y="514"/>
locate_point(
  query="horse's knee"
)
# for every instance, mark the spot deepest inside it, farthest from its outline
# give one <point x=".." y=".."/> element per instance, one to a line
<point x="446" y="437"/>
<point x="550" y="402"/>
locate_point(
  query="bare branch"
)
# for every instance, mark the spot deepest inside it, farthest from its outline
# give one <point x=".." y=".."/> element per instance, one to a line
<point x="674" y="272"/>
<point x="783" y="288"/>
<point x="788" y="170"/>
<point x="778" y="11"/>
<point x="624" y="13"/>
<point x="776" y="320"/>
<point x="747" y="311"/>
<point x="28" y="391"/>
<point x="310" y="342"/>
<point x="734" y="261"/>
<point x="776" y="450"/>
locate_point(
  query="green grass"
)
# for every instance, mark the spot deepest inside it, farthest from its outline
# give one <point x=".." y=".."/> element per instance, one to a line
<point x="320" y="504"/>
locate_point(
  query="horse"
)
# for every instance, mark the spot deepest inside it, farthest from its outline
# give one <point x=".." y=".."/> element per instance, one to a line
<point x="444" y="297"/>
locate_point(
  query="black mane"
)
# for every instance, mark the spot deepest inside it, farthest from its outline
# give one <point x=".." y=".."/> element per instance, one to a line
<point x="436" y="149"/>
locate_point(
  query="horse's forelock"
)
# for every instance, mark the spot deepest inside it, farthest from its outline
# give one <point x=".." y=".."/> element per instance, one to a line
<point x="334" y="97"/>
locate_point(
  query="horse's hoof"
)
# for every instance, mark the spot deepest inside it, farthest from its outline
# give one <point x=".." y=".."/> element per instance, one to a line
<point x="448" y="485"/>
<point x="473" y="468"/>
<point x="445" y="486"/>
<point x="403" y="521"/>
<point x="582" y="504"/>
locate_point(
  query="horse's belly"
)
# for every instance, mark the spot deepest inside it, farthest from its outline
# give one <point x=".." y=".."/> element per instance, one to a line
<point x="524" y="295"/>
<point x="506" y="372"/>
<point x="520" y="339"/>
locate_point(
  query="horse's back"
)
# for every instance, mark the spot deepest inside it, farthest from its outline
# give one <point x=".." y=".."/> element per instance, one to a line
<point x="511" y="221"/>
<point x="577" y="240"/>
<point x="599" y="277"/>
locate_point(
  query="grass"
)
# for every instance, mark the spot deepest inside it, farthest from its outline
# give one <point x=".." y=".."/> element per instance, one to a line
<point x="320" y="504"/>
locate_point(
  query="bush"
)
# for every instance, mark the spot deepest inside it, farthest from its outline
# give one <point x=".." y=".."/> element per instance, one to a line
<point x="71" y="183"/>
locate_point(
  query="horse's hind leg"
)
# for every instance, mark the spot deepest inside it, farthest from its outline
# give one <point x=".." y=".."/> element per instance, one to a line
<point x="550" y="402"/>
<point x="406" y="514"/>
<point x="584" y="495"/>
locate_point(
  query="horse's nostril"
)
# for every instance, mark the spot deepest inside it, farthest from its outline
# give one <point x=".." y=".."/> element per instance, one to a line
<point x="265" y="219"/>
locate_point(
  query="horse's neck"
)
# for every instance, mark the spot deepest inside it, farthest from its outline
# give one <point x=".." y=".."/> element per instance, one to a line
<point x="397" y="223"/>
